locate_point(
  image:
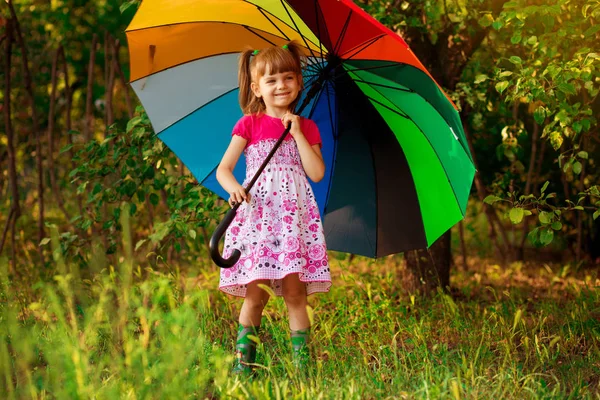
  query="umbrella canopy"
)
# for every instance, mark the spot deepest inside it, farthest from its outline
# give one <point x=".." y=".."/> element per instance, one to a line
<point x="399" y="170"/>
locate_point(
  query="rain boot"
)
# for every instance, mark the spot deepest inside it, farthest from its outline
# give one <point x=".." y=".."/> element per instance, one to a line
<point x="300" y="352"/>
<point x="245" y="350"/>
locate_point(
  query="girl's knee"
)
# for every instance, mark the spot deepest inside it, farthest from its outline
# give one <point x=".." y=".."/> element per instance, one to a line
<point x="255" y="303"/>
<point x="294" y="297"/>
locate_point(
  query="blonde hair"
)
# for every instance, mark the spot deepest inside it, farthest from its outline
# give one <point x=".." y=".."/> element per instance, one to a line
<point x="272" y="60"/>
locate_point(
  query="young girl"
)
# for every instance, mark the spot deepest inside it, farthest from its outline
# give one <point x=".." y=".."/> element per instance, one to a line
<point x="278" y="228"/>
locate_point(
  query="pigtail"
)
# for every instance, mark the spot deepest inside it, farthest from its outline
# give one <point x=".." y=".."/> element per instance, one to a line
<point x="246" y="96"/>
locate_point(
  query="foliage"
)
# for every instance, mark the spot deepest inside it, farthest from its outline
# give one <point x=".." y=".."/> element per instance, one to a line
<point x="136" y="168"/>
<point x="553" y="70"/>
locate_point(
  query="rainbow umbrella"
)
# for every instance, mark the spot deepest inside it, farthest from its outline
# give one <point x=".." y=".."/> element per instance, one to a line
<point x="399" y="170"/>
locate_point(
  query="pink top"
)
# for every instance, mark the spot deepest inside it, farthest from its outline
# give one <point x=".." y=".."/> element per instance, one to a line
<point x="257" y="127"/>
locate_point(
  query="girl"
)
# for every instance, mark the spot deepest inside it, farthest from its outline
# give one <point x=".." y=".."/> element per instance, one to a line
<point x="278" y="229"/>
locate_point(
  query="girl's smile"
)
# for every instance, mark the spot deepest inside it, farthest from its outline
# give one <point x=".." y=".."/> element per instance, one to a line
<point x="278" y="91"/>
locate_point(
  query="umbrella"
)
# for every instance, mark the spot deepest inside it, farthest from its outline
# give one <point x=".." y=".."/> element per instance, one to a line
<point x="398" y="166"/>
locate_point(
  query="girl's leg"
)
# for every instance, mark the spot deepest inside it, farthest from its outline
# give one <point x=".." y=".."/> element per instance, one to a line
<point x="254" y="304"/>
<point x="294" y="294"/>
<point x="249" y="320"/>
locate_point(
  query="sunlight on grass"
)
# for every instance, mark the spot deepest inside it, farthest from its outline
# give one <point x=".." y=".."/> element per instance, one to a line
<point x="133" y="332"/>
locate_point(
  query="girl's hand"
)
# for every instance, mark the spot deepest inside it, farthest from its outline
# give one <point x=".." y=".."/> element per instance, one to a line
<point x="295" y="120"/>
<point x="238" y="195"/>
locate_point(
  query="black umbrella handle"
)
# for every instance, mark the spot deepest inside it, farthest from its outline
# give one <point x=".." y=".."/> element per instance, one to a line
<point x="216" y="237"/>
<point x="222" y="227"/>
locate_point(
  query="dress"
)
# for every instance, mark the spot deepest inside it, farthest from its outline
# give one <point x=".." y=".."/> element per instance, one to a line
<point x="280" y="231"/>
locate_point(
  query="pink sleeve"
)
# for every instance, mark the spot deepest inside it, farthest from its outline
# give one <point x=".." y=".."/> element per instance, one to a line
<point x="311" y="132"/>
<point x="242" y="128"/>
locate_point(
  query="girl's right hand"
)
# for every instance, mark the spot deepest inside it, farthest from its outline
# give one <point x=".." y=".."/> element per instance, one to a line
<point x="238" y="195"/>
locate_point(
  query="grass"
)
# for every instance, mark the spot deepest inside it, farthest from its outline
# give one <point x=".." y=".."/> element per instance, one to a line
<point x="525" y="332"/>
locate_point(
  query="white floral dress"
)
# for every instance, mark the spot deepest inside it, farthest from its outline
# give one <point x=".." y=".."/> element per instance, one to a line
<point x="280" y="231"/>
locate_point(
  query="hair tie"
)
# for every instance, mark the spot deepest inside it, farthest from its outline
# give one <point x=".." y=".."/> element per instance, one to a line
<point x="285" y="47"/>
<point x="255" y="52"/>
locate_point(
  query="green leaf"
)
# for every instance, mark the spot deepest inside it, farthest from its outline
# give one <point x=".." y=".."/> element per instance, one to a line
<point x="596" y="214"/>
<point x="515" y="60"/>
<point x="140" y="243"/>
<point x="577" y="167"/>
<point x="133" y="122"/>
<point x="501" y="86"/>
<point x="44" y="241"/>
<point x="583" y="154"/>
<point x="532" y="40"/>
<point x="533" y="235"/>
<point x="557" y="225"/>
<point x="545" y="217"/>
<point x="546" y="236"/>
<point x="578" y="208"/>
<point x="556" y="140"/>
<point x="567" y="88"/>
<point x="486" y="20"/>
<point x="516" y="38"/>
<point x="545" y="187"/>
<point x="516" y="215"/>
<point x="192" y="233"/>
<point x="125" y="6"/>
<point x="491" y="199"/>
<point x="154" y="199"/>
<point x="539" y="115"/>
<point x="481" y="78"/>
<point x="66" y="148"/>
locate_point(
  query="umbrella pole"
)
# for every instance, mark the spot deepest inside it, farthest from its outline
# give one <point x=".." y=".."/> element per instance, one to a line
<point x="224" y="224"/>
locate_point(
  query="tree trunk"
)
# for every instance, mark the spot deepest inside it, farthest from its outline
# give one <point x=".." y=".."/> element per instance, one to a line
<point x="110" y="80"/>
<point x="89" y="117"/>
<point x="50" y="138"/>
<point x="36" y="130"/>
<point x="15" y="208"/>
<point x="117" y="66"/>
<point x="430" y="269"/>
<point x="68" y="126"/>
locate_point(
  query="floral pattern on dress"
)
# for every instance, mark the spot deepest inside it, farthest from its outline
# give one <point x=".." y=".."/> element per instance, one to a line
<point x="280" y="231"/>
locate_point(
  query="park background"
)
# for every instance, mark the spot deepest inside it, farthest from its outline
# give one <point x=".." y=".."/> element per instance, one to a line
<point x="107" y="289"/>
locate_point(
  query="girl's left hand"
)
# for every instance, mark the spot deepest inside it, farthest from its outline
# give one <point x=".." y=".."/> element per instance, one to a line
<point x="295" y="120"/>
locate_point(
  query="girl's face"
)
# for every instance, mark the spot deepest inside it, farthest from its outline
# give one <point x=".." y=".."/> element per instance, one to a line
<point x="278" y="91"/>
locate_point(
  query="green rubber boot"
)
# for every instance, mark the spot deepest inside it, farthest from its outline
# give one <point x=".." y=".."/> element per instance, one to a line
<point x="245" y="349"/>
<point x="300" y="352"/>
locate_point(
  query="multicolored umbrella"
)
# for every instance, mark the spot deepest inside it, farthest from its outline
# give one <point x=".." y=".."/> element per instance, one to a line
<point x="399" y="170"/>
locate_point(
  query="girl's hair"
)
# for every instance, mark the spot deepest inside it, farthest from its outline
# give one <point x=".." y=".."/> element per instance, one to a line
<point x="271" y="60"/>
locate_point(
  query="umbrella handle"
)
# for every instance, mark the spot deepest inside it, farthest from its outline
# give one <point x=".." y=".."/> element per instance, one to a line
<point x="216" y="237"/>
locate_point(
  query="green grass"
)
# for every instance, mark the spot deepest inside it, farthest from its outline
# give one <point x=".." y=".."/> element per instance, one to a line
<point x="519" y="333"/>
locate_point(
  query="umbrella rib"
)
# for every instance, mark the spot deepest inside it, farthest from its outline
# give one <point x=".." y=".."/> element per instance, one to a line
<point x="384" y="86"/>
<point x="263" y="38"/>
<point x="400" y="113"/>
<point x="366" y="45"/>
<point x="335" y="144"/>
<point x="318" y="27"/>
<point x="272" y="23"/>
<point x="343" y="33"/>
<point x="282" y="21"/>
<point x="297" y="29"/>
<point x="392" y="64"/>
<point x="197" y="109"/>
<point x="426" y="138"/>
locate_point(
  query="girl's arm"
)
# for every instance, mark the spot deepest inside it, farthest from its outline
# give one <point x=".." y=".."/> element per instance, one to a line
<point x="311" y="158"/>
<point x="225" y="170"/>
